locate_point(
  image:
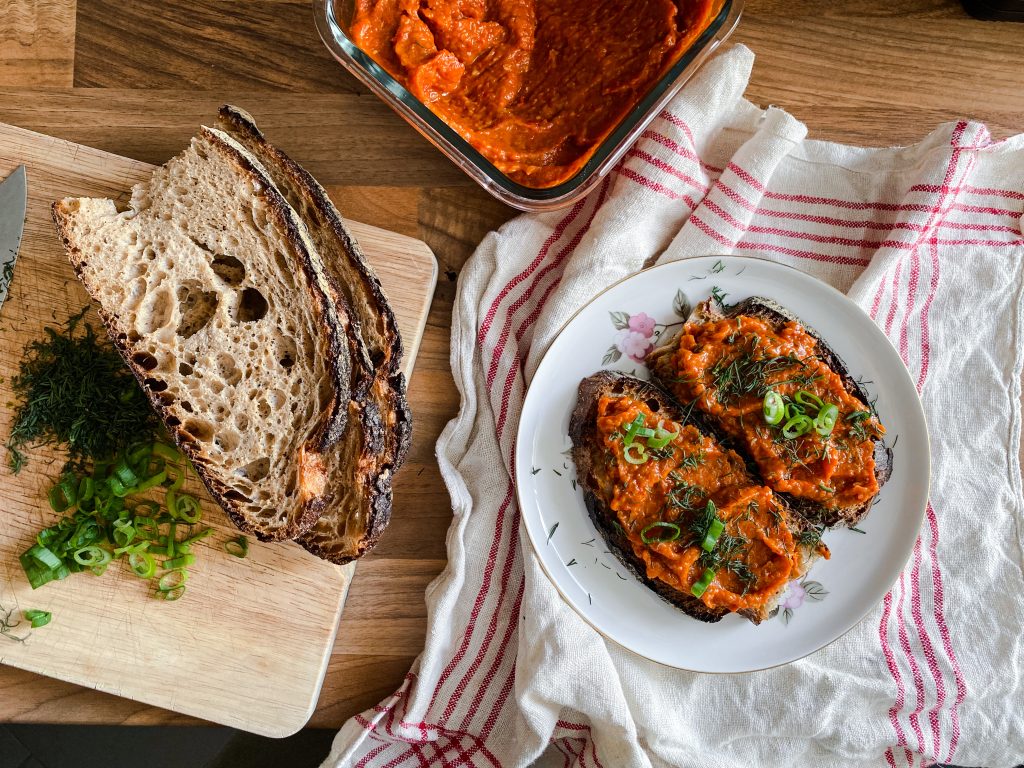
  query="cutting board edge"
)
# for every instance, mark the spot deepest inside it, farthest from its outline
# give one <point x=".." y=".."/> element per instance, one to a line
<point x="49" y="155"/>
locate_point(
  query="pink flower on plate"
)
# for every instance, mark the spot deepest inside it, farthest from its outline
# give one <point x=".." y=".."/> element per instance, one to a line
<point x="642" y="323"/>
<point x="633" y="344"/>
<point x="794" y="596"/>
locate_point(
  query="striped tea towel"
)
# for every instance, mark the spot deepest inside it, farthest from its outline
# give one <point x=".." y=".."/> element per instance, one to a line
<point x="928" y="240"/>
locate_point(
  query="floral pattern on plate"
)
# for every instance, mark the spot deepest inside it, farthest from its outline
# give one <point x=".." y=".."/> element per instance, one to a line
<point x="798" y="593"/>
<point x="639" y="333"/>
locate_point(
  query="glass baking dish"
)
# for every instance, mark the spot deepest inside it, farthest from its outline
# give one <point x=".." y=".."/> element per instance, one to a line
<point x="332" y="20"/>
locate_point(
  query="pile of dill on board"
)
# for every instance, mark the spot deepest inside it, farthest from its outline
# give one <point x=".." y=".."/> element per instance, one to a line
<point x="73" y="388"/>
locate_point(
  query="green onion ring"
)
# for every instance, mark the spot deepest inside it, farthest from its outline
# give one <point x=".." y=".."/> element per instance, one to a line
<point x="238" y="547"/>
<point x="45" y="557"/>
<point x="172" y="580"/>
<point x="701" y="585"/>
<point x="37" y="618"/>
<point x="182" y="561"/>
<point x="674" y="530"/>
<point x="92" y="556"/>
<point x="774" y="408"/>
<point x="714" y="531"/>
<point x="661" y="437"/>
<point x="142" y="564"/>
<point x="187" y="508"/>
<point x="170" y="595"/>
<point x="641" y="456"/>
<point x="825" y="421"/>
<point x="809" y="399"/>
<point x="796" y="426"/>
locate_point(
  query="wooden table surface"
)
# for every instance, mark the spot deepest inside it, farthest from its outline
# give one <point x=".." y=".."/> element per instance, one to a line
<point x="137" y="78"/>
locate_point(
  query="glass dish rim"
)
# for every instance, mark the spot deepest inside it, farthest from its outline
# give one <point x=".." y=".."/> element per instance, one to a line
<point x="489" y="176"/>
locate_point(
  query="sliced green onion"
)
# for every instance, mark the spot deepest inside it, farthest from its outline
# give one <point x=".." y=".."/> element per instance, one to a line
<point x="139" y="546"/>
<point x="796" y="426"/>
<point x="711" y="538"/>
<point x="168" y="453"/>
<point x="640" y="451"/>
<point x="187" y="508"/>
<point x="142" y="564"/>
<point x="125" y="474"/>
<point x="151" y="482"/>
<point x="44" y="556"/>
<point x="146" y="528"/>
<point x="701" y="585"/>
<point x="661" y="438"/>
<point x="182" y="561"/>
<point x="62" y="497"/>
<point x="38" y="618"/>
<point x="793" y="410"/>
<point x="809" y="399"/>
<point x="92" y="556"/>
<point x="636" y="429"/>
<point x="238" y="547"/>
<point x="774" y="407"/>
<point x="825" y="421"/>
<point x="170" y="595"/>
<point x="195" y="537"/>
<point x="672" y="532"/>
<point x="172" y="580"/>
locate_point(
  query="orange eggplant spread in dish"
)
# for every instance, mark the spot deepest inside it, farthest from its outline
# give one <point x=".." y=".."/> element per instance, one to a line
<point x="769" y="390"/>
<point x="533" y="85"/>
<point x="692" y="513"/>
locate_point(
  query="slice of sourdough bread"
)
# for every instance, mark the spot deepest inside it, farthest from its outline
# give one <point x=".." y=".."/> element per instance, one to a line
<point x="377" y="437"/>
<point x="212" y="291"/>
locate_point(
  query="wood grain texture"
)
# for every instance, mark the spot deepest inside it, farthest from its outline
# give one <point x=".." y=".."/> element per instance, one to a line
<point x="869" y="72"/>
<point x="37" y="43"/>
<point x="247" y="658"/>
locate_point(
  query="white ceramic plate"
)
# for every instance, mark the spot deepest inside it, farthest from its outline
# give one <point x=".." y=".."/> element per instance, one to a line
<point x="836" y="594"/>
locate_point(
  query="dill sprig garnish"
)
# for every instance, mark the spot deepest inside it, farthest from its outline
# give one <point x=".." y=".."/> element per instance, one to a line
<point x="747" y="374"/>
<point x="7" y="625"/>
<point x="73" y="389"/>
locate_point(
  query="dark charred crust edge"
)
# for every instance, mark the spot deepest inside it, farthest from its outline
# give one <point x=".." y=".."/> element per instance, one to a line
<point x="331" y="325"/>
<point x="386" y="451"/>
<point x="585" y="450"/>
<point x="311" y="509"/>
<point x="242" y="122"/>
<point x="849" y="516"/>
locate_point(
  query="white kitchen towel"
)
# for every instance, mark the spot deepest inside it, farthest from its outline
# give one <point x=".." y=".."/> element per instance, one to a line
<point x="927" y="239"/>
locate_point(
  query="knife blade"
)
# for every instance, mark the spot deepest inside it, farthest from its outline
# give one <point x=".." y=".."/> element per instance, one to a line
<point x="13" y="205"/>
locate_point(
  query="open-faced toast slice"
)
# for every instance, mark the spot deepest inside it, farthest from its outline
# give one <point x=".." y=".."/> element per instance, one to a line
<point x="212" y="291"/>
<point x="679" y="508"/>
<point x="828" y="464"/>
<point x="379" y="428"/>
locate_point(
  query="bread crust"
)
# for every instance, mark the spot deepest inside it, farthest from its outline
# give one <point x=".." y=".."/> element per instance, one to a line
<point x="380" y="442"/>
<point x="330" y="426"/>
<point x="777" y="315"/>
<point x="588" y="454"/>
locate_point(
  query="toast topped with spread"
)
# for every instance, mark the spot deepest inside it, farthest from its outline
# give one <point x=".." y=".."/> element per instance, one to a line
<point x="679" y="507"/>
<point x="787" y="402"/>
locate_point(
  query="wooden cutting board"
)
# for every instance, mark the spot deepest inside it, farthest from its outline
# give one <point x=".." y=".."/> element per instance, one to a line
<point x="248" y="644"/>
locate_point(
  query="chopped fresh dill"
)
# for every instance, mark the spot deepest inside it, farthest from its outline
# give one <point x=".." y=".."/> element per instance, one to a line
<point x="534" y="470"/>
<point x="856" y="530"/>
<point x="719" y="296"/>
<point x="572" y="562"/>
<point x="718" y="267"/>
<point x="811" y="536"/>
<point x="551" y="533"/>
<point x="74" y="389"/>
<point x="692" y="460"/>
<point x="7" y="625"/>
